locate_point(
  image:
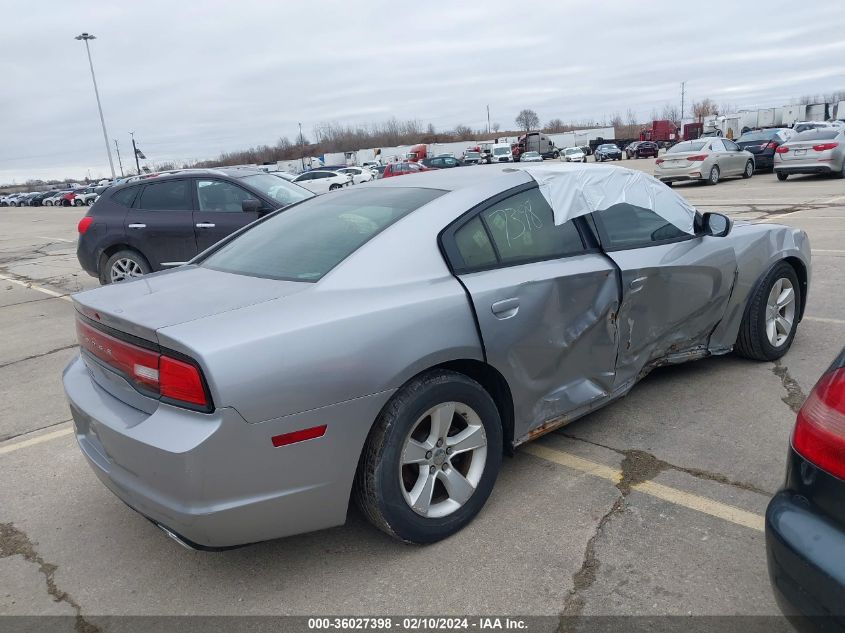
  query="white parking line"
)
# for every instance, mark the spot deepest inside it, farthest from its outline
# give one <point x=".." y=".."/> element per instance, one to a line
<point x="672" y="495"/>
<point x="826" y="250"/>
<point x="825" y="320"/>
<point x="38" y="439"/>
<point x="36" y="287"/>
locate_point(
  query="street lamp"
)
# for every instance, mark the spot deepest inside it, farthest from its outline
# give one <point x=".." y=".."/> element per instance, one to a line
<point x="85" y="37"/>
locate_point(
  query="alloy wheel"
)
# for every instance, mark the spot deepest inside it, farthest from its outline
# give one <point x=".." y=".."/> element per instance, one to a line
<point x="780" y="312"/>
<point x="125" y="268"/>
<point x="443" y="459"/>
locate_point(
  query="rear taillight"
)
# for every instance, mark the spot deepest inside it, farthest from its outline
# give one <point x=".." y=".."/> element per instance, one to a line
<point x="151" y="372"/>
<point x="771" y="145"/>
<point x="84" y="223"/>
<point x="658" y="161"/>
<point x="823" y="147"/>
<point x="782" y="150"/>
<point x="697" y="158"/>
<point x="819" y="434"/>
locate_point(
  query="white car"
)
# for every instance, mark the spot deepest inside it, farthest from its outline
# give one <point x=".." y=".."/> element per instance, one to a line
<point x="502" y="153"/>
<point x="573" y="155"/>
<point x="54" y="200"/>
<point x="322" y="180"/>
<point x="531" y="157"/>
<point x="358" y="174"/>
<point x="85" y="197"/>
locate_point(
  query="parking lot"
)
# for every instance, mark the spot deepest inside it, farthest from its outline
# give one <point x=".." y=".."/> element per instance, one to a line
<point x="651" y="506"/>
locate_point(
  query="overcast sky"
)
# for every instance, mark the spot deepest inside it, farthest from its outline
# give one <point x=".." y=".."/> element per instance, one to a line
<point x="193" y="79"/>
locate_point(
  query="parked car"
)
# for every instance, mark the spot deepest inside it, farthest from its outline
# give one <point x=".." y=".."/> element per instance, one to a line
<point x="707" y="159"/>
<point x="608" y="151"/>
<point x="379" y="171"/>
<point x="85" y="196"/>
<point x="322" y="181"/>
<point x="12" y="200"/>
<point x="573" y="155"/>
<point x="402" y="169"/>
<point x="371" y="164"/>
<point x="472" y="157"/>
<point x="358" y="174"/>
<point x="805" y="521"/>
<point x="149" y="225"/>
<point x="441" y="162"/>
<point x="531" y="157"/>
<point x="390" y="342"/>
<point x="763" y="143"/>
<point x="816" y="151"/>
<point x="642" y="149"/>
<point x="501" y="153"/>
<point x="55" y="199"/>
<point x="38" y="199"/>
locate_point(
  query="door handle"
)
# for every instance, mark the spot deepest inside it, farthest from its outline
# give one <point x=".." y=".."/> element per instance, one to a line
<point x="136" y="226"/>
<point x="506" y="308"/>
<point x="637" y="284"/>
<point x="205" y="225"/>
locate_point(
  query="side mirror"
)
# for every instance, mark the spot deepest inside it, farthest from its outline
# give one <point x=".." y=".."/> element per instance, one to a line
<point x="716" y="224"/>
<point x="250" y="205"/>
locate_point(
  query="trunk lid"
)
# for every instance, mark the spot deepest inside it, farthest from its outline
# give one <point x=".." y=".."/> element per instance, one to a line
<point x="140" y="307"/>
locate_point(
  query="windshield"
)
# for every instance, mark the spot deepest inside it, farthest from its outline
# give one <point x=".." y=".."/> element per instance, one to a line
<point x="277" y="188"/>
<point x="307" y="241"/>
<point x="499" y="151"/>
<point x="606" y="146"/>
<point x="472" y="155"/>
<point x="573" y="150"/>
<point x="686" y="146"/>
<point x="531" y="154"/>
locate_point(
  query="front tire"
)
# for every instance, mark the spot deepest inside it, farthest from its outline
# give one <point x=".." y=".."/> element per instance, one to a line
<point x="749" y="170"/>
<point x="771" y="316"/>
<point x="431" y="458"/>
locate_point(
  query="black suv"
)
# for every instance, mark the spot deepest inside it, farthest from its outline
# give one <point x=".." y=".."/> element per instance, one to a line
<point x="163" y="221"/>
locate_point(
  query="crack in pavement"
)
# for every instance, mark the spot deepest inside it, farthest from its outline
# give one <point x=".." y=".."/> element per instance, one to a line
<point x="15" y="542"/>
<point x="34" y="356"/>
<point x="21" y="303"/>
<point x="795" y="396"/>
<point x="7" y="438"/>
<point x="651" y="466"/>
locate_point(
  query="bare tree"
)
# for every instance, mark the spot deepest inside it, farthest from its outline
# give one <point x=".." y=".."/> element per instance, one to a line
<point x="703" y="108"/>
<point x="527" y="119"/>
<point x="630" y="118"/>
<point x="430" y="130"/>
<point x="671" y="113"/>
<point x="555" y="125"/>
<point x="616" y="121"/>
<point x="496" y="127"/>
<point x="462" y="132"/>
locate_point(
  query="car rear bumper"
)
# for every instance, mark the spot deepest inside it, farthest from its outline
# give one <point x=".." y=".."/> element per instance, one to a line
<point x="806" y="559"/>
<point x="214" y="480"/>
<point x="679" y="177"/>
<point x="807" y="168"/>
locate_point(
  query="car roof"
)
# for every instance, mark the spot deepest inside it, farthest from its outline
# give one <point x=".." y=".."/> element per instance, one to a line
<point x="231" y="172"/>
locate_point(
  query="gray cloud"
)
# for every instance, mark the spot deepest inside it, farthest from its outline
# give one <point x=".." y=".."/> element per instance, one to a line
<point x="195" y="79"/>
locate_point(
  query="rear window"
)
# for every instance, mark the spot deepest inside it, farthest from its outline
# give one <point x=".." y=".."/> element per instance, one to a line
<point x="308" y="240"/>
<point x="686" y="146"/>
<point x="816" y="135"/>
<point x="125" y="196"/>
<point x="762" y="135"/>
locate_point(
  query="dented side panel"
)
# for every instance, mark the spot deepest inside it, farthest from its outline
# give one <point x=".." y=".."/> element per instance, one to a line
<point x="674" y="295"/>
<point x="550" y="329"/>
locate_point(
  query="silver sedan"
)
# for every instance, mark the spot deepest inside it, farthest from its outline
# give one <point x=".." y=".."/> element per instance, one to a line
<point x="817" y="151"/>
<point x="389" y="342"/>
<point x="705" y="159"/>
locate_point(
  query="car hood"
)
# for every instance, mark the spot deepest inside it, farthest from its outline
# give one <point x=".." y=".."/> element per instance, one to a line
<point x="142" y="306"/>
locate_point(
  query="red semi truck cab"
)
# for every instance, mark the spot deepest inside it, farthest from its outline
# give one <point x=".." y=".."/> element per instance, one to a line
<point x="417" y="153"/>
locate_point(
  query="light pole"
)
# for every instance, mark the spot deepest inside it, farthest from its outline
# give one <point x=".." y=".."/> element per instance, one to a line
<point x="301" y="148"/>
<point x="85" y="37"/>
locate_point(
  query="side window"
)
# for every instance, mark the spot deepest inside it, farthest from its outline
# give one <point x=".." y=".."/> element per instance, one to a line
<point x="474" y="245"/>
<point x="171" y="195"/>
<point x="730" y="145"/>
<point x="523" y="228"/>
<point x="219" y="195"/>
<point x="717" y="146"/>
<point x="125" y="197"/>
<point x="627" y="226"/>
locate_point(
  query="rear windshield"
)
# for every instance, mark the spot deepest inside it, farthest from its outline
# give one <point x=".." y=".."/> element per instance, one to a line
<point x="762" y="135"/>
<point x="816" y="135"/>
<point x="686" y="146"/>
<point x="308" y="240"/>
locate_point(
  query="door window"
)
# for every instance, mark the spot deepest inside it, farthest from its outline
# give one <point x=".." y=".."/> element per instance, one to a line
<point x="125" y="197"/>
<point x="219" y="195"/>
<point x="717" y="145"/>
<point x="171" y="195"/>
<point x="730" y="145"/>
<point x="627" y="226"/>
<point x="474" y="245"/>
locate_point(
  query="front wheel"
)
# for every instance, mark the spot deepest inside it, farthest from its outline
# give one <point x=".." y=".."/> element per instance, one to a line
<point x="771" y="316"/>
<point x="431" y="458"/>
<point x="782" y="176"/>
<point x="713" y="178"/>
<point x="749" y="170"/>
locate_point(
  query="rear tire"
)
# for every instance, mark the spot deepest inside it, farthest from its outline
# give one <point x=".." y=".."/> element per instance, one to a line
<point x="782" y="176"/>
<point x="403" y="473"/>
<point x="713" y="178"/>
<point x="755" y="332"/>
<point x="749" y="170"/>
<point x="124" y="265"/>
<point x="334" y="187"/>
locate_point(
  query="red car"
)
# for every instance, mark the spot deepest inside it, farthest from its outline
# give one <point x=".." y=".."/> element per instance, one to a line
<point x="67" y="200"/>
<point x="403" y="169"/>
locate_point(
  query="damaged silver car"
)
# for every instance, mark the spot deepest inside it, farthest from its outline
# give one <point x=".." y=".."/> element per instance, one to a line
<point x="390" y="342"/>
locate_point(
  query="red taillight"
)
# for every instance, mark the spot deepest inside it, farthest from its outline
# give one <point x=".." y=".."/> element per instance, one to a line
<point x="820" y="429"/>
<point x="782" y="150"/>
<point x="149" y="371"/>
<point x="84" y="223"/>
<point x="771" y="145"/>
<point x="823" y="147"/>
<point x="697" y="158"/>
<point x="658" y="161"/>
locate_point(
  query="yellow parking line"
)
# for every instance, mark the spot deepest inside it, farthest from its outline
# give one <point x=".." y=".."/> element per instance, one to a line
<point x="39" y="439"/>
<point x="35" y="287"/>
<point x="672" y="495"/>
